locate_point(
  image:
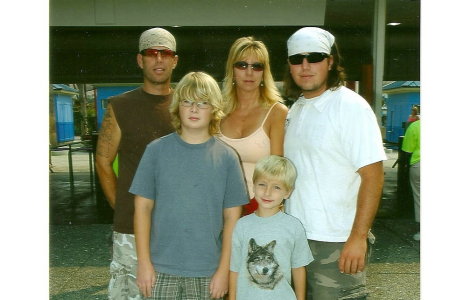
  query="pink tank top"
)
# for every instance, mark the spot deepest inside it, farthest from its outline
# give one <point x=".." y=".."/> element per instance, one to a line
<point x="251" y="149"/>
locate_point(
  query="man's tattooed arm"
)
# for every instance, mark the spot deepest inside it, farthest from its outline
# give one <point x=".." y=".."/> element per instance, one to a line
<point x="107" y="146"/>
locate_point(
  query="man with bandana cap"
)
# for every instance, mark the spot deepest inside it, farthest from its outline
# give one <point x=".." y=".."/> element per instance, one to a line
<point x="132" y="120"/>
<point x="333" y="138"/>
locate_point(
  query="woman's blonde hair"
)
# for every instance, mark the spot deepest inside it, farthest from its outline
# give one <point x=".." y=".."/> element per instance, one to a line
<point x="276" y="167"/>
<point x="242" y="48"/>
<point x="197" y="86"/>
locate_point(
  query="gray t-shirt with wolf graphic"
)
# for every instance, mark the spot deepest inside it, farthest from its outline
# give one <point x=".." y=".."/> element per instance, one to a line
<point x="263" y="253"/>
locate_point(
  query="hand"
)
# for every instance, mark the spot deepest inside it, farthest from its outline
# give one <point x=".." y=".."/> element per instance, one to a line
<point x="218" y="287"/>
<point x="353" y="256"/>
<point x="146" y="278"/>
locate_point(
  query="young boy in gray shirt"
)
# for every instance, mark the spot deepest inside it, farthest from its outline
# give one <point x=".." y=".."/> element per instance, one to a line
<point x="270" y="247"/>
<point x="189" y="189"/>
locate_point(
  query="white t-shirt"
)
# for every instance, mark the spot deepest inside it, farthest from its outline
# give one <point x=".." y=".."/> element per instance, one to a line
<point x="264" y="252"/>
<point x="328" y="138"/>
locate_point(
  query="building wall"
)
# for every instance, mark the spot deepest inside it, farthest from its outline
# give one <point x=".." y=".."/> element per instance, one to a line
<point x="103" y="93"/>
<point x="63" y="112"/>
<point x="186" y="13"/>
<point x="398" y="109"/>
<point x="52" y="122"/>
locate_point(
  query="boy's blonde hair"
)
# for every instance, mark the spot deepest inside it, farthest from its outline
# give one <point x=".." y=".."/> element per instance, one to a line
<point x="197" y="86"/>
<point x="276" y="167"/>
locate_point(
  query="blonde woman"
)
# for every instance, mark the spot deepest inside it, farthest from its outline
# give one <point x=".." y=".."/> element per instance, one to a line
<point x="254" y="124"/>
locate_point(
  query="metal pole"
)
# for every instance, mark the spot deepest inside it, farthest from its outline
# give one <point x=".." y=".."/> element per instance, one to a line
<point x="91" y="173"/>
<point x="379" y="37"/>
<point x="70" y="168"/>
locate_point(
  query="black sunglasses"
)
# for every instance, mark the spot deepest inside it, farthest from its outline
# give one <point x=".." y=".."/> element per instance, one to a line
<point x="154" y="52"/>
<point x="242" y="65"/>
<point x="313" y="57"/>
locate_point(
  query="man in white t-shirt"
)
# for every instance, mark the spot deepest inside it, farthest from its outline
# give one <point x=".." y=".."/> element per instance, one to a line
<point x="333" y="138"/>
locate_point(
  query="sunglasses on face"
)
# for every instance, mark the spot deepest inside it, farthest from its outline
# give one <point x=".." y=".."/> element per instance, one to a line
<point x="154" y="52"/>
<point x="242" y="65"/>
<point x="313" y="57"/>
<point x="200" y="104"/>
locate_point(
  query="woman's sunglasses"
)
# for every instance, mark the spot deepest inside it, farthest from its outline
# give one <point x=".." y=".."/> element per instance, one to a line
<point x="242" y="65"/>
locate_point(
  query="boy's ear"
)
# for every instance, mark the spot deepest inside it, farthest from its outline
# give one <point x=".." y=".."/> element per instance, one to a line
<point x="288" y="194"/>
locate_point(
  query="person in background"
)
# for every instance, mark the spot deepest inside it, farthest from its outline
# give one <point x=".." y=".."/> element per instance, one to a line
<point x="414" y="116"/>
<point x="411" y="144"/>
<point x="335" y="143"/>
<point x="254" y="124"/>
<point x="270" y="247"/>
<point x="189" y="189"/>
<point x="131" y="121"/>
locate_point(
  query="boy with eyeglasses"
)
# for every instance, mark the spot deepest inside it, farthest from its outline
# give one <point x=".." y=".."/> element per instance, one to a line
<point x="189" y="189"/>
<point x="333" y="139"/>
<point x="132" y="120"/>
<point x="270" y="249"/>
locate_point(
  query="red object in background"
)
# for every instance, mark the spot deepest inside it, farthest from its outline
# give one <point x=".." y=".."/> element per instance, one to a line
<point x="250" y="207"/>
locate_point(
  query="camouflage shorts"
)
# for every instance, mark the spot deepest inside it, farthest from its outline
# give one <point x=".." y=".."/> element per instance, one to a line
<point x="324" y="280"/>
<point x="123" y="269"/>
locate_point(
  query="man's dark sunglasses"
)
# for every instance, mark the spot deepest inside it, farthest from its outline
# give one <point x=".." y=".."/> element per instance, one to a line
<point x="313" y="57"/>
<point x="242" y="65"/>
<point x="154" y="52"/>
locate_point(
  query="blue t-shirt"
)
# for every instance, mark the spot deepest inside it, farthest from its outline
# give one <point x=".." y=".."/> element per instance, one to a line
<point x="264" y="252"/>
<point x="191" y="185"/>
